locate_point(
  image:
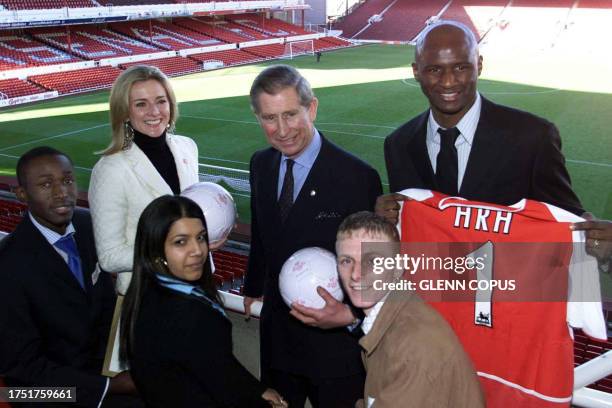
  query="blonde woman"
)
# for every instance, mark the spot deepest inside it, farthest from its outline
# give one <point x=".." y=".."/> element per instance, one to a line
<point x="143" y="161"/>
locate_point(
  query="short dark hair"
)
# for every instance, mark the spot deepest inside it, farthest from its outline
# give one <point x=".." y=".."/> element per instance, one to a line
<point x="153" y="228"/>
<point x="371" y="223"/>
<point x="35" y="153"/>
<point x="274" y="79"/>
<point x="420" y="41"/>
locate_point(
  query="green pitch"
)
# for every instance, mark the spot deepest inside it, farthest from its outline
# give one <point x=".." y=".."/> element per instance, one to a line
<point x="364" y="94"/>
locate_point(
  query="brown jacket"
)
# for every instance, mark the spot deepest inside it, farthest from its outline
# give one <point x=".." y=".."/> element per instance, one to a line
<point x="413" y="359"/>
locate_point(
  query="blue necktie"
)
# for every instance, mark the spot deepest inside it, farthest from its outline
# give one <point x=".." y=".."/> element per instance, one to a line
<point x="68" y="245"/>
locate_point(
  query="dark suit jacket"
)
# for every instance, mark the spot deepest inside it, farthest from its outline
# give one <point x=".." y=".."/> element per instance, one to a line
<point x="53" y="332"/>
<point x="338" y="185"/>
<point x="515" y="155"/>
<point x="183" y="357"/>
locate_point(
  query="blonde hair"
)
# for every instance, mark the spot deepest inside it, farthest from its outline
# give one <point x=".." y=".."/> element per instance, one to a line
<point x="120" y="102"/>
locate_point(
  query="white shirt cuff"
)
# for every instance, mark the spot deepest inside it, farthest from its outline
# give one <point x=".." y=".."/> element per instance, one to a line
<point x="104" y="393"/>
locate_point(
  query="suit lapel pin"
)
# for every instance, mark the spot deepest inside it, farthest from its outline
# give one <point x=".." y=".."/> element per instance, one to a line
<point x="313" y="193"/>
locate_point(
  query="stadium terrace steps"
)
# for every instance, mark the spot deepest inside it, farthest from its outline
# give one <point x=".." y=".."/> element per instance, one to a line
<point x="598" y="4"/>
<point x="227" y="57"/>
<point x="543" y="3"/>
<point x="93" y="43"/>
<point x="13" y="88"/>
<point x="78" y="43"/>
<point x="403" y="20"/>
<point x="172" y="66"/>
<point x="18" y="51"/>
<point x="82" y="80"/>
<point x="210" y="29"/>
<point x="355" y="21"/>
<point x="132" y="2"/>
<point x="45" y="4"/>
<point x="269" y="51"/>
<point x="479" y="15"/>
<point x="165" y="36"/>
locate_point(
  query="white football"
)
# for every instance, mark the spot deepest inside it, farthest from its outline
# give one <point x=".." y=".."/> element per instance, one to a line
<point x="303" y="272"/>
<point x="218" y="207"/>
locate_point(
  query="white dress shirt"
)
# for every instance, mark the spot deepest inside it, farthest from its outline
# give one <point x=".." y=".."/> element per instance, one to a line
<point x="467" y="128"/>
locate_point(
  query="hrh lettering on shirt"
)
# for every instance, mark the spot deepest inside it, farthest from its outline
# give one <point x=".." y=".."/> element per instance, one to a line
<point x="483" y="219"/>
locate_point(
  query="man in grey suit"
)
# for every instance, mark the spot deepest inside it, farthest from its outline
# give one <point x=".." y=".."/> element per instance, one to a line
<point x="302" y="187"/>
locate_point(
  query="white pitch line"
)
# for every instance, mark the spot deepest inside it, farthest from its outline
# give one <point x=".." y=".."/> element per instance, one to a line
<point x="248" y="122"/>
<point x="407" y="81"/>
<point x="222" y="160"/>
<point x="328" y="131"/>
<point x="357" y="124"/>
<point x="10" y="156"/>
<point x="590" y="163"/>
<point x="72" y="132"/>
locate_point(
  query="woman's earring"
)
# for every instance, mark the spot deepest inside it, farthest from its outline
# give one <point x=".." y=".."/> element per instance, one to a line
<point x="128" y="135"/>
<point x="162" y="261"/>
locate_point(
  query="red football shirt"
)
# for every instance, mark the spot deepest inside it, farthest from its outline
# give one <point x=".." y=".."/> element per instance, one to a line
<point x="516" y="334"/>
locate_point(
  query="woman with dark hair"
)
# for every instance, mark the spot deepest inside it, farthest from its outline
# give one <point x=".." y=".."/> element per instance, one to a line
<point x="175" y="334"/>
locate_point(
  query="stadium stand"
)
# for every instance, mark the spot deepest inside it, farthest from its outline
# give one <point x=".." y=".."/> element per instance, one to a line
<point x="403" y="20"/>
<point x="261" y="24"/>
<point x="45" y="4"/>
<point x="93" y="43"/>
<point x="479" y="15"/>
<point x="597" y="4"/>
<point x="132" y="2"/>
<point x="12" y="88"/>
<point x="355" y="21"/>
<point x="11" y="213"/>
<point x="43" y="46"/>
<point x="164" y="35"/>
<point x="270" y="26"/>
<point x="543" y="3"/>
<point x="270" y="51"/>
<point x="328" y="43"/>
<point x="172" y="66"/>
<point x="209" y="28"/>
<point x="227" y="57"/>
<point x="248" y="33"/>
<point x="18" y="51"/>
<point x="529" y="26"/>
<point x="82" y="80"/>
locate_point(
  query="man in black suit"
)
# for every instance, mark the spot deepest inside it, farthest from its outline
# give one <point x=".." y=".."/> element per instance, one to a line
<point x="302" y="187"/>
<point x="493" y="153"/>
<point x="55" y="305"/>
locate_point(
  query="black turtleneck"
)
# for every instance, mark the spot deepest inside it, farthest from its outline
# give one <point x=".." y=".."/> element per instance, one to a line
<point x="158" y="152"/>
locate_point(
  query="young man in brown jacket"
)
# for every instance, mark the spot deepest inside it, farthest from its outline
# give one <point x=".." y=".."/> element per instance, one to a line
<point x="411" y="355"/>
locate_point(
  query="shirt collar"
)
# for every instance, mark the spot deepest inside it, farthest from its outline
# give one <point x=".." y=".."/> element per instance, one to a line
<point x="175" y="284"/>
<point x="370" y="318"/>
<point x="187" y="289"/>
<point x="467" y="125"/>
<point x="51" y="236"/>
<point x="309" y="155"/>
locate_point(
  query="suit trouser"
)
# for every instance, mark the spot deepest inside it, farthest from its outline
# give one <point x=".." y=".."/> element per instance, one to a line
<point x="337" y="392"/>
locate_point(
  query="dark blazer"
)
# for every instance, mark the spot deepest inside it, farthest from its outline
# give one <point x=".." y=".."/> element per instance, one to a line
<point x="338" y="185"/>
<point x="182" y="355"/>
<point x="515" y="155"/>
<point x="53" y="333"/>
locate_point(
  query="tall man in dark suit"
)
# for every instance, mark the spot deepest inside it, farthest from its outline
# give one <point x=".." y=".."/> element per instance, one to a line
<point x="302" y="187"/>
<point x="55" y="305"/>
<point x="469" y="146"/>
